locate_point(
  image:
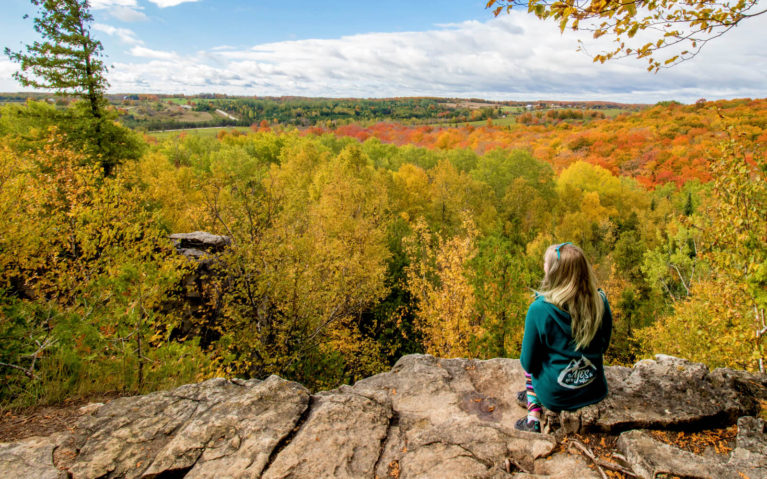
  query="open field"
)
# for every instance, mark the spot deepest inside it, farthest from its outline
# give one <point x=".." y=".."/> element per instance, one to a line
<point x="203" y="132"/>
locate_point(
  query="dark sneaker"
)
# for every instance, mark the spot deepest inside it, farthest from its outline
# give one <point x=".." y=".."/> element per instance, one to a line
<point x="522" y="398"/>
<point x="530" y="426"/>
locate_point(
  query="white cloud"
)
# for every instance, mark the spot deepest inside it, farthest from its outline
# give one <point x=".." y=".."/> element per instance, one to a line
<point x="124" y="10"/>
<point x="7" y="68"/>
<point x="139" y="51"/>
<point x="170" y="3"/>
<point x="127" y="14"/>
<point x="102" y="4"/>
<point x="514" y="57"/>
<point x="7" y="83"/>
<point x="124" y="34"/>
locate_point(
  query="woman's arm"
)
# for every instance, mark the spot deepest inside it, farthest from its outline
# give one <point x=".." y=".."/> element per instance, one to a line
<point x="531" y="344"/>
<point x="607" y="325"/>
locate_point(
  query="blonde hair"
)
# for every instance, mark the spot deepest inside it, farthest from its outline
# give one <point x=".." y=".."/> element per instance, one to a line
<point x="570" y="285"/>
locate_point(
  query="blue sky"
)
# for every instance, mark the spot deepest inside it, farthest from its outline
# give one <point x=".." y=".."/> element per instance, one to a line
<point x="341" y="48"/>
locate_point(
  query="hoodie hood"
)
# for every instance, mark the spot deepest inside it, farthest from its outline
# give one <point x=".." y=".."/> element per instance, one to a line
<point x="562" y="318"/>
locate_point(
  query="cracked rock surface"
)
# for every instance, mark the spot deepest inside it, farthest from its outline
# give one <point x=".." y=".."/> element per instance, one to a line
<point x="669" y="392"/>
<point x="32" y="457"/>
<point x="650" y="457"/>
<point x="426" y="418"/>
<point x="216" y="428"/>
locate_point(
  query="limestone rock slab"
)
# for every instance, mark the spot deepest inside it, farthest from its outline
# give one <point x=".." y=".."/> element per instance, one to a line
<point x="455" y="418"/>
<point x="649" y="457"/>
<point x="340" y="438"/>
<point x="216" y="428"/>
<point x="200" y="240"/>
<point x="565" y="466"/>
<point x="665" y="392"/>
<point x="32" y="457"/>
<point x="426" y="418"/>
<point x="751" y="447"/>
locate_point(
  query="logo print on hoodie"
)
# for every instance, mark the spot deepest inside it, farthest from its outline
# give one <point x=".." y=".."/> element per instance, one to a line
<point x="579" y="373"/>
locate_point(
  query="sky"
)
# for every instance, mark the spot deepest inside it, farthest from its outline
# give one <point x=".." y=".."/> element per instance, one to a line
<point x="392" y="48"/>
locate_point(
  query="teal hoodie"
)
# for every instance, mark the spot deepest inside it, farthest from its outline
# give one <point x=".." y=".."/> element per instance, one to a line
<point x="563" y="378"/>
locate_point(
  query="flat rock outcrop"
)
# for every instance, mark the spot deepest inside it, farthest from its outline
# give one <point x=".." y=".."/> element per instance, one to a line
<point x="426" y="418"/>
<point x="200" y="240"/>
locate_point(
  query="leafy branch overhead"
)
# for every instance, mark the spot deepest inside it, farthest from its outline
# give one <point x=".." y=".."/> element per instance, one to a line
<point x="665" y="32"/>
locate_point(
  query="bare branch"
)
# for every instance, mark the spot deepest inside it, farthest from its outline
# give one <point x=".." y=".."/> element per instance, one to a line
<point x="681" y="278"/>
<point x="587" y="452"/>
<point x="27" y="372"/>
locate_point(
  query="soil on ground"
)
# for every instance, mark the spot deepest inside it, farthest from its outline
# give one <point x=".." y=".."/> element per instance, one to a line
<point x="45" y="420"/>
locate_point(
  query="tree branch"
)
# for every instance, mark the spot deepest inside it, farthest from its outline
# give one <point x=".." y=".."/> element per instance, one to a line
<point x="26" y="371"/>
<point x="681" y="278"/>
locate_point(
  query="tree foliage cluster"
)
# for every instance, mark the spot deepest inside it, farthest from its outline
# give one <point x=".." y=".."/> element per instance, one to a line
<point x="85" y="269"/>
<point x="161" y="123"/>
<point x="665" y="143"/>
<point x="347" y="254"/>
<point x="69" y="61"/>
<point x="305" y="112"/>
<point x="460" y="236"/>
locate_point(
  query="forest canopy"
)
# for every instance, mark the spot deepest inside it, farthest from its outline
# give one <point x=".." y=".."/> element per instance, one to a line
<point x="346" y="254"/>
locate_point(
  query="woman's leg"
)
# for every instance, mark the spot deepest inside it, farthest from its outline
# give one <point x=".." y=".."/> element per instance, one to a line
<point x="534" y="407"/>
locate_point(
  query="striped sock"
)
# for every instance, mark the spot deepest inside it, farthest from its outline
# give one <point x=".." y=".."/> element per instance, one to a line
<point x="533" y="405"/>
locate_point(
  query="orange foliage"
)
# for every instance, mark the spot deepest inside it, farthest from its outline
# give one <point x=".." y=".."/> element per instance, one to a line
<point x="719" y="440"/>
<point x="657" y="145"/>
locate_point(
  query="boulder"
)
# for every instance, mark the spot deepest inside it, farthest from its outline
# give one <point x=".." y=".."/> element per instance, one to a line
<point x="649" y="457"/>
<point x="341" y="438"/>
<point x="200" y="240"/>
<point x="751" y="446"/>
<point x="200" y="247"/>
<point x="454" y="415"/>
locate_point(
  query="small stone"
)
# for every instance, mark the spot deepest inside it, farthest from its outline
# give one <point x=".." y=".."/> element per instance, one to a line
<point x="90" y="408"/>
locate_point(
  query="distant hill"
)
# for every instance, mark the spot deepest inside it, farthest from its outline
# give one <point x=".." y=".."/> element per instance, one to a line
<point x="152" y="112"/>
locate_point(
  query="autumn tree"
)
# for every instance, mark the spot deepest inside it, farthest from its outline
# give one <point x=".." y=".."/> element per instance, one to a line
<point x="737" y="232"/>
<point x="439" y="280"/>
<point x="85" y="270"/>
<point x="501" y="279"/>
<point x="643" y="29"/>
<point x="308" y="258"/>
<point x="725" y="309"/>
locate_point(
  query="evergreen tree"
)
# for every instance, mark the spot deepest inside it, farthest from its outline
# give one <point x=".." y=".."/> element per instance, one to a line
<point x="688" y="207"/>
<point x="68" y="59"/>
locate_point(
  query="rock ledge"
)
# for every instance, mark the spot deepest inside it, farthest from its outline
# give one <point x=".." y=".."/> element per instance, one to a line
<point x="426" y="418"/>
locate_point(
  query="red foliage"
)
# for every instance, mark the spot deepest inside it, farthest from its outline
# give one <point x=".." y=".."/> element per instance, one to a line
<point x="660" y="144"/>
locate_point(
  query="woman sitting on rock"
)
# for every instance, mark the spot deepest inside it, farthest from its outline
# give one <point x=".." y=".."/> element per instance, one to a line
<point x="567" y="330"/>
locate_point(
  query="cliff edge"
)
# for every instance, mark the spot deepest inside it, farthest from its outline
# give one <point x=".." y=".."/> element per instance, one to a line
<point x="426" y="418"/>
